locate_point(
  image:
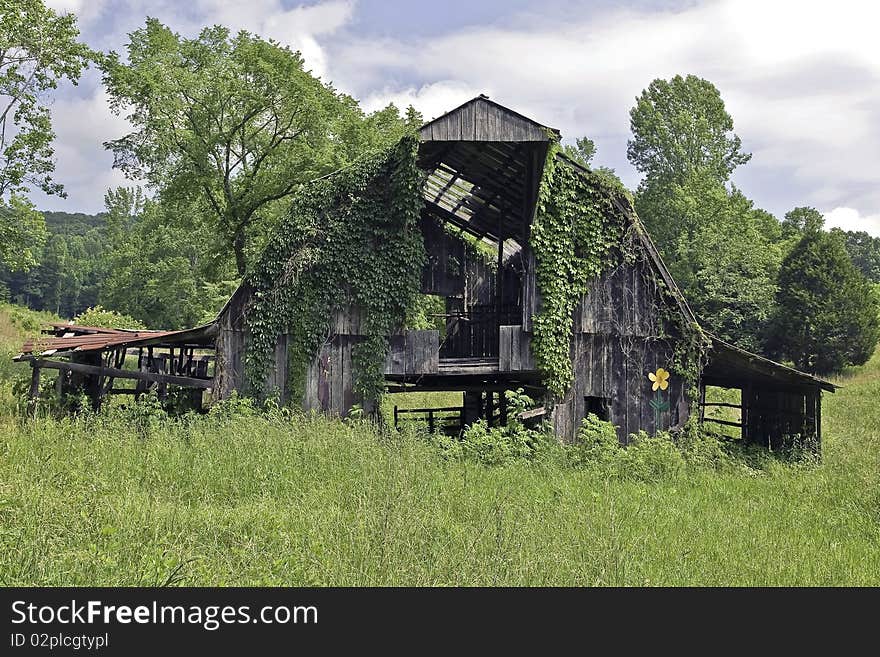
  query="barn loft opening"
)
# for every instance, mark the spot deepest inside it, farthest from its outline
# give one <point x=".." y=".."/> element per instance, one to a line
<point x="483" y="165"/>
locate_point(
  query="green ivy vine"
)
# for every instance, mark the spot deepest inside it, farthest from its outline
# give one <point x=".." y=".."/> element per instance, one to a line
<point x="350" y="239"/>
<point x="576" y="236"/>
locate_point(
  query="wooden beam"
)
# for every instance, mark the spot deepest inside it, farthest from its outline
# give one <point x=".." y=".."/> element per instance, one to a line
<point x="185" y="381"/>
<point x="724" y="422"/>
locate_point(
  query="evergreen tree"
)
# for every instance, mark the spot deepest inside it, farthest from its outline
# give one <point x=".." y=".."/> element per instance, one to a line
<point x="827" y="315"/>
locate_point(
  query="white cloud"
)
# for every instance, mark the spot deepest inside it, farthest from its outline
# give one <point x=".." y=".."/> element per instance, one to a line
<point x="801" y="81"/>
<point x="83" y="166"/>
<point x="851" y="219"/>
<point x="84" y="9"/>
<point x="297" y="27"/>
<point x="431" y="100"/>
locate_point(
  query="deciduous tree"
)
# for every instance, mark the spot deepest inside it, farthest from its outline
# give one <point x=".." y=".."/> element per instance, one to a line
<point x="226" y="124"/>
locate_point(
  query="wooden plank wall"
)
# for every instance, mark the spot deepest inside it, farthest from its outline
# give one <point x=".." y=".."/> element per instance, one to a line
<point x="615" y="345"/>
<point x="616" y="368"/>
<point x="231" y="343"/>
<point x="620" y="302"/>
<point x="482" y="120"/>
<point x="413" y="353"/>
<point x="514" y="352"/>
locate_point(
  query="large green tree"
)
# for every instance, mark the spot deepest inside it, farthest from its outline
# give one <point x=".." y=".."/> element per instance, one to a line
<point x="226" y="125"/>
<point x="38" y="48"/>
<point x="800" y="221"/>
<point x="827" y="314"/>
<point x="723" y="258"/>
<point x="22" y="234"/>
<point x="681" y="126"/>
<point x="721" y="249"/>
<point x="864" y="250"/>
<point x="155" y="269"/>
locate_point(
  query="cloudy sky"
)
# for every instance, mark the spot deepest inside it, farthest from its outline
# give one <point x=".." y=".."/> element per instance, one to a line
<point x="801" y="79"/>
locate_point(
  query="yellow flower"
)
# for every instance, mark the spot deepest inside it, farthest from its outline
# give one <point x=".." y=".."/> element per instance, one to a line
<point x="660" y="379"/>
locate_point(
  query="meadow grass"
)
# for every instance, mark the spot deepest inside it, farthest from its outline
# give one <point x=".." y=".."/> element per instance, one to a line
<point x="226" y="499"/>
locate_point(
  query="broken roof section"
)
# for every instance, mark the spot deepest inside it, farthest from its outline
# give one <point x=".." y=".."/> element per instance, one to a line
<point x="484" y="162"/>
<point x="68" y="338"/>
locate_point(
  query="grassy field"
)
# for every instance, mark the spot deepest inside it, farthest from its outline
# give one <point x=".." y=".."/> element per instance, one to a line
<point x="129" y="498"/>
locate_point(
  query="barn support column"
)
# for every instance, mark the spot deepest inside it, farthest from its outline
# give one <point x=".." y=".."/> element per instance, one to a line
<point x="473" y="404"/>
<point x="34" y="392"/>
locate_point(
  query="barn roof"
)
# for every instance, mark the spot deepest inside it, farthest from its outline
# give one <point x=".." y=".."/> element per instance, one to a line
<point x="66" y="338"/>
<point x="484" y="162"/>
<point x="481" y="119"/>
<point x="729" y="365"/>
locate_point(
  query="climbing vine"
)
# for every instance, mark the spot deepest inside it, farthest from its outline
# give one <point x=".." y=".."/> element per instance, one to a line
<point x="576" y="236"/>
<point x="350" y="239"/>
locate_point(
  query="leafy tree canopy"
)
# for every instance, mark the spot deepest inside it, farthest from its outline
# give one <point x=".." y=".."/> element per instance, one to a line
<point x="22" y="234"/>
<point x="802" y="220"/>
<point x="719" y="250"/>
<point x="582" y="152"/>
<point x="864" y="250"/>
<point x="37" y="49"/>
<point x="156" y="270"/>
<point x="680" y="126"/>
<point x="229" y="125"/>
<point x="827" y="315"/>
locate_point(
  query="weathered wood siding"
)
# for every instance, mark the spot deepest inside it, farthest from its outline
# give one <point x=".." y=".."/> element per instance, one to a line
<point x="413" y="353"/>
<point x="616" y="343"/>
<point x="616" y="368"/>
<point x="514" y="353"/>
<point x="232" y="338"/>
<point x="483" y="120"/>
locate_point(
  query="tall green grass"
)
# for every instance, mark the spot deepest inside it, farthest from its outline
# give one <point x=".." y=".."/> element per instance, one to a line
<point x="134" y="499"/>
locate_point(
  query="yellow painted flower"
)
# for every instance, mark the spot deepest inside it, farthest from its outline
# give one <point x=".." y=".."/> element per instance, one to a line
<point x="660" y="379"/>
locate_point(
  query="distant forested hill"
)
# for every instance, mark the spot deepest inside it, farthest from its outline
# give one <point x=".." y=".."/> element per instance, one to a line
<point x="73" y="223"/>
<point x="66" y="280"/>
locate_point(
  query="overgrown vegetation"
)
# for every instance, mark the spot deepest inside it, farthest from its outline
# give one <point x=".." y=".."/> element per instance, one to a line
<point x="250" y="496"/>
<point x="101" y="317"/>
<point x="576" y="235"/>
<point x="350" y="239"/>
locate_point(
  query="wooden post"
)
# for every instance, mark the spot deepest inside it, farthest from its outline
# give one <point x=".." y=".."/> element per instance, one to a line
<point x="502" y="405"/>
<point x="34" y="392"/>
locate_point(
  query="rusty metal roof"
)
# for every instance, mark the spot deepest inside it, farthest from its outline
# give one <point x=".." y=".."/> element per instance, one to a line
<point x="64" y="338"/>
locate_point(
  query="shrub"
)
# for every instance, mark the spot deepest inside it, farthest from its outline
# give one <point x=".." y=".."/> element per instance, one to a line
<point x="499" y="445"/>
<point x="103" y="318"/>
<point x="597" y="443"/>
<point x="650" y="458"/>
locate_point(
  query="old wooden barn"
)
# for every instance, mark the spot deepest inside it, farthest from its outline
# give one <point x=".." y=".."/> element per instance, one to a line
<point x="483" y="165"/>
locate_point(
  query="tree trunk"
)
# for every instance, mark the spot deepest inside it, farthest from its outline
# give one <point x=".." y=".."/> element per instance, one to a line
<point x="238" y="243"/>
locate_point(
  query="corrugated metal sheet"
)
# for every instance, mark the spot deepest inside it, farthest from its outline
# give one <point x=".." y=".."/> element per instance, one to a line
<point x="71" y="337"/>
